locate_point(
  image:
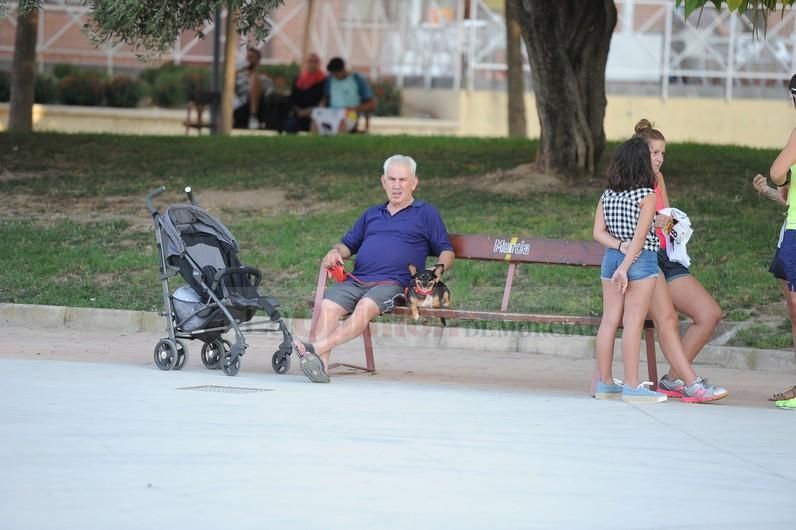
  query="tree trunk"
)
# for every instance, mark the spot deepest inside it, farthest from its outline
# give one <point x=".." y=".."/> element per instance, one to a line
<point x="567" y="43"/>
<point x="305" y="38"/>
<point x="516" y="87"/>
<point x="228" y="89"/>
<point x="23" y="75"/>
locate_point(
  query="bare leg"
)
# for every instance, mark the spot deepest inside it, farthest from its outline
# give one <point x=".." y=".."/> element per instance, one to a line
<point x="330" y="314"/>
<point x="691" y="299"/>
<point x="662" y="312"/>
<point x="790" y="302"/>
<point x="613" y="305"/>
<point x="637" y="302"/>
<point x="255" y="91"/>
<point x="333" y="336"/>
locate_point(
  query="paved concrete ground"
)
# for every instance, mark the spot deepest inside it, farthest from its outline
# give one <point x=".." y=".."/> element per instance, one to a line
<point x="92" y="435"/>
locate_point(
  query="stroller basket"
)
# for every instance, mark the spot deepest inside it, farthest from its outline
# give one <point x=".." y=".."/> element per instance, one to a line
<point x="220" y="293"/>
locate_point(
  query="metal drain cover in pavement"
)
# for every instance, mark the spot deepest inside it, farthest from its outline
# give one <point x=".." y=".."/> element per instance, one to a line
<point x="226" y="389"/>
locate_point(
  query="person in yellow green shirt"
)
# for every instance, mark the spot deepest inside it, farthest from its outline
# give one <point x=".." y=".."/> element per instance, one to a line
<point x="784" y="264"/>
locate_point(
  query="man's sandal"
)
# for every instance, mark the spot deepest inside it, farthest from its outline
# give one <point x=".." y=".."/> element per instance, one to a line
<point x="784" y="396"/>
<point x="311" y="364"/>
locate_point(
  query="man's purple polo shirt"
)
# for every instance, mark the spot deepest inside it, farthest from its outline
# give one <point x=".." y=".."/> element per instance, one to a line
<point x="386" y="244"/>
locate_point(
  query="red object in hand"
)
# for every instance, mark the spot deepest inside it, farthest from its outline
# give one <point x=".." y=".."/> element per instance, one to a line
<point x="337" y="273"/>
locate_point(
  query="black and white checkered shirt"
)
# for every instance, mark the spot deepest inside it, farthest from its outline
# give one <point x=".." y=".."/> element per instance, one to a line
<point x="621" y="210"/>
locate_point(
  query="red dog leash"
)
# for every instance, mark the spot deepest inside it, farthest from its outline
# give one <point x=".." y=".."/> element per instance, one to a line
<point x="339" y="274"/>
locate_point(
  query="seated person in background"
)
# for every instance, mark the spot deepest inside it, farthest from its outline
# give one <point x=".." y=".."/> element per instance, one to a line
<point x="385" y="239"/>
<point x="346" y="94"/>
<point x="306" y="94"/>
<point x="251" y="87"/>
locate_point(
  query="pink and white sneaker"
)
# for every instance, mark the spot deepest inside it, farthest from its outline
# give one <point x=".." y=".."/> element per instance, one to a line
<point x="702" y="392"/>
<point x="673" y="388"/>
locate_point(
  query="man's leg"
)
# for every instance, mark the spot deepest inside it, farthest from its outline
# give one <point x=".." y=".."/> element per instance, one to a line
<point x="240" y="117"/>
<point x="342" y="126"/>
<point x="352" y="327"/>
<point x="367" y="304"/>
<point x="329" y="335"/>
<point x="255" y="93"/>
<point x="328" y="319"/>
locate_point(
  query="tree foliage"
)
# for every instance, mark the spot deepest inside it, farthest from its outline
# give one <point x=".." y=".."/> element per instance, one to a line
<point x="152" y="26"/>
<point x="24" y="7"/>
<point x="757" y="10"/>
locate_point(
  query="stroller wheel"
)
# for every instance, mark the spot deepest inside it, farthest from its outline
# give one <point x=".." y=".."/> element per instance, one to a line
<point x="165" y="354"/>
<point x="231" y="368"/>
<point x="182" y="355"/>
<point x="213" y="353"/>
<point x="280" y="362"/>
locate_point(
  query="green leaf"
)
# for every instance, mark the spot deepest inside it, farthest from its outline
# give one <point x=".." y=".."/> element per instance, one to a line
<point x="691" y="5"/>
<point x="734" y="5"/>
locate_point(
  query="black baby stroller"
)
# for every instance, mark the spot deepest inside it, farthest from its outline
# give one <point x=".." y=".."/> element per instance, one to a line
<point x="220" y="295"/>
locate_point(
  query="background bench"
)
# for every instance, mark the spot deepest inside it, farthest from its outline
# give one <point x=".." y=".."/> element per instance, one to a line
<point x="512" y="251"/>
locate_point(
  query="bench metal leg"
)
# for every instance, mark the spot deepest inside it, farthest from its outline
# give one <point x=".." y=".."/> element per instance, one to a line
<point x="370" y="364"/>
<point x="652" y="362"/>
<point x="368" y="340"/>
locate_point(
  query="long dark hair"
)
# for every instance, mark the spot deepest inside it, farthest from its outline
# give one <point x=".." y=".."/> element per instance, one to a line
<point x="792" y="89"/>
<point x="630" y="166"/>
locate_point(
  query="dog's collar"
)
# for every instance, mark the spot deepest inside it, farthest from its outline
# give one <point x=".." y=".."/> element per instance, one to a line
<point x="423" y="292"/>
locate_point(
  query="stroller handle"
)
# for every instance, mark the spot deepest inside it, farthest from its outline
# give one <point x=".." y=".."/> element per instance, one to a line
<point x="151" y="195"/>
<point x="189" y="193"/>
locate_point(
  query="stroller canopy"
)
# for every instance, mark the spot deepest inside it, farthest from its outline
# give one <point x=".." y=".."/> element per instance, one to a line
<point x="182" y="219"/>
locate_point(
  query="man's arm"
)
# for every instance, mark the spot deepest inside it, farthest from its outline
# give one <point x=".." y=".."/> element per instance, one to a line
<point x="446" y="258"/>
<point x="367" y="101"/>
<point x="367" y="106"/>
<point x="336" y="255"/>
<point x="438" y="237"/>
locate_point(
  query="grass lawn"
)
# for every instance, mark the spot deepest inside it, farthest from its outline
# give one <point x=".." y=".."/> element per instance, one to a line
<point x="74" y="229"/>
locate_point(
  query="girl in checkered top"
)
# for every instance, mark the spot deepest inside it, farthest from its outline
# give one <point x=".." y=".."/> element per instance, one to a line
<point x="624" y="224"/>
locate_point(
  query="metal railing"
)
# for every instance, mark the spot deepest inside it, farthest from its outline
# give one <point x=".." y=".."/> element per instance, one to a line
<point x="461" y="43"/>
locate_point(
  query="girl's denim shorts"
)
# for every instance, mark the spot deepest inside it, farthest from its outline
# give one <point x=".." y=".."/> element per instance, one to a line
<point x="645" y="266"/>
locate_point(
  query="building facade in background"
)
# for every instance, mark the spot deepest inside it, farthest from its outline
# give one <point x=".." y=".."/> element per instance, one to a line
<point x="461" y="44"/>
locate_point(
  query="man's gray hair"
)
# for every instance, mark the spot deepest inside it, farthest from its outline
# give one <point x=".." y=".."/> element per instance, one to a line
<point x="407" y="161"/>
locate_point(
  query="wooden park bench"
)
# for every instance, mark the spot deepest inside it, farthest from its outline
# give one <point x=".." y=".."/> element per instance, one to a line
<point x="194" y="117"/>
<point x="195" y="111"/>
<point x="512" y="251"/>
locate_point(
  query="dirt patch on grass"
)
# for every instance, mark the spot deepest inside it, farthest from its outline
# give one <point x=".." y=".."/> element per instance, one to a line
<point x="8" y="176"/>
<point x="265" y="202"/>
<point x="264" y="199"/>
<point x="520" y="180"/>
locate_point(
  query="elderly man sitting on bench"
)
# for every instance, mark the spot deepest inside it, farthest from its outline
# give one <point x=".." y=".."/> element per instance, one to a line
<point x="385" y="239"/>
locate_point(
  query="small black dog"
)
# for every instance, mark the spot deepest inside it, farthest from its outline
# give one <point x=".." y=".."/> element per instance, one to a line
<point x="427" y="290"/>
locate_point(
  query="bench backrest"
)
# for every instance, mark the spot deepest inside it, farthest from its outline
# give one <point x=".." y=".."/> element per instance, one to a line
<point x="514" y="249"/>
